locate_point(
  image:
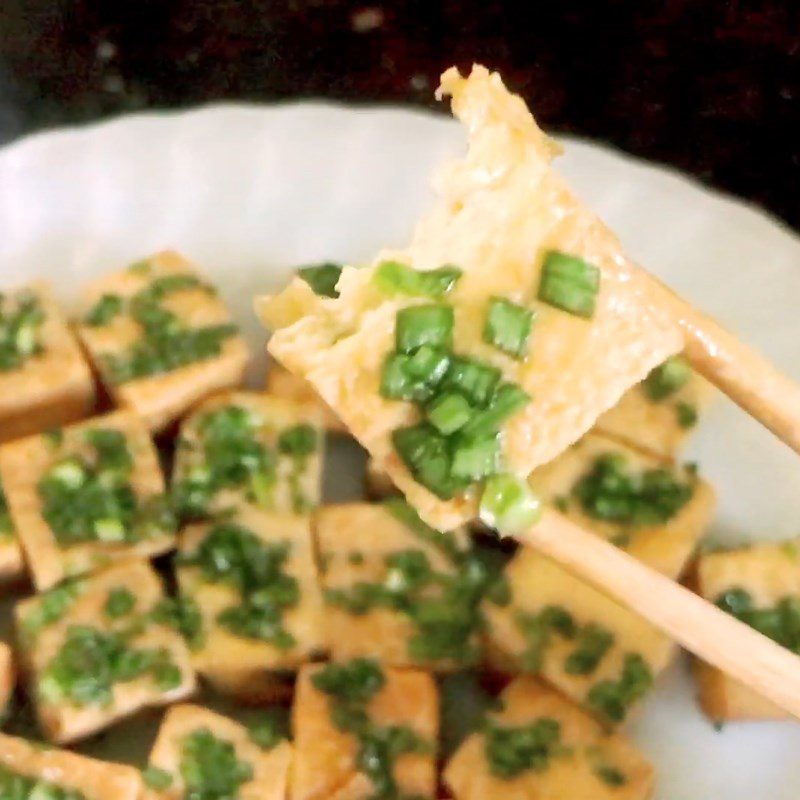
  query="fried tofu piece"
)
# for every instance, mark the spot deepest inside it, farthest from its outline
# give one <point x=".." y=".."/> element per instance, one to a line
<point x="501" y="213"/>
<point x="768" y="574"/>
<point x="360" y="544"/>
<point x="8" y="677"/>
<point x="85" y="496"/>
<point x="660" y="425"/>
<point x="661" y="522"/>
<point x="44" y="378"/>
<point x="578" y="760"/>
<point x="45" y="770"/>
<point x="326" y="757"/>
<point x="281" y="383"/>
<point x="600" y="654"/>
<point x="189" y="732"/>
<point x="93" y="652"/>
<point x="160" y="338"/>
<point x="242" y="651"/>
<point x="247" y="447"/>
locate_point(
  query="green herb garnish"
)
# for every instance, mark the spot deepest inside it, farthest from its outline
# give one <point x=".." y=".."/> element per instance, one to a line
<point x="569" y="283"/>
<point x="15" y="786"/>
<point x="50" y="607"/>
<point x="156" y="778"/>
<point x="182" y="614"/>
<point x="270" y="728"/>
<point x="613" y="492"/>
<point x="120" y="602"/>
<point x="424" y="326"/>
<point x="612" y="699"/>
<point x="210" y="768"/>
<point x="21" y="320"/>
<point x="779" y="622"/>
<point x="593" y="643"/>
<point x="6" y="523"/>
<point x="686" y="414"/>
<point x="538" y="630"/>
<point x="508" y="327"/>
<point x="322" y="278"/>
<point x="511" y="751"/>
<point x="104" y="310"/>
<point x="667" y="378"/>
<point x="394" y="278"/>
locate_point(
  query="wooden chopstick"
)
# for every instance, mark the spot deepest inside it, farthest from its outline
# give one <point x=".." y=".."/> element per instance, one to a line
<point x="739" y="371"/>
<point x="716" y="637"/>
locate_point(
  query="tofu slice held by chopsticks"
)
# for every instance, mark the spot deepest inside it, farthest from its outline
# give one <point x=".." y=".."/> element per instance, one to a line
<point x="509" y="324"/>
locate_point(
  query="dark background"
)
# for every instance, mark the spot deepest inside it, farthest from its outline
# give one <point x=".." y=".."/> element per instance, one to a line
<point x="709" y="86"/>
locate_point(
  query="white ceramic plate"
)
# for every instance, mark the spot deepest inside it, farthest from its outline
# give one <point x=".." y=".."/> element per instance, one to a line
<point x="250" y="192"/>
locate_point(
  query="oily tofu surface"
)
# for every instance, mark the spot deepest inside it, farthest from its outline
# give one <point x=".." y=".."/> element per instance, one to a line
<point x="768" y="573"/>
<point x="25" y="462"/>
<point x="325" y="757"/>
<point x="161" y="398"/>
<point x="537" y="584"/>
<point x="281" y="383"/>
<point x="575" y="774"/>
<point x="655" y="425"/>
<point x="97" y="780"/>
<point x="7" y="677"/>
<point x="355" y="539"/>
<point x="295" y="484"/>
<point x="83" y="604"/>
<point x="270" y="768"/>
<point x="249" y="667"/>
<point x="666" y="547"/>
<point x="52" y="387"/>
<point x="498" y="211"/>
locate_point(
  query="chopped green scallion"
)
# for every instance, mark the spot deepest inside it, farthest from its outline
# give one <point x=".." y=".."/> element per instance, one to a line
<point x="322" y="278"/>
<point x="449" y="412"/>
<point x="395" y="278"/>
<point x="426" y="453"/>
<point x="667" y="378"/>
<point x="569" y="283"/>
<point x="507" y="400"/>
<point x="476" y="459"/>
<point x="418" y="326"/>
<point x="508" y="326"/>
<point x="508" y="504"/>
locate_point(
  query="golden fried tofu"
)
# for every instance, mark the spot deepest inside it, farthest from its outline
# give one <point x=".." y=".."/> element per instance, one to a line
<point x="12" y="563"/>
<point x="545" y="300"/>
<point x="44" y="378"/>
<point x="253" y="579"/>
<point x="160" y="338"/>
<point x="247" y="447"/>
<point x="761" y="586"/>
<point x="656" y="511"/>
<point x="326" y="762"/>
<point x="598" y="653"/>
<point x="7" y="677"/>
<point x="660" y="413"/>
<point x="42" y="771"/>
<point x="195" y="741"/>
<point x="94" y="651"/>
<point x="281" y="383"/>
<point x="85" y="496"/>
<point x="539" y="746"/>
<point x="381" y="563"/>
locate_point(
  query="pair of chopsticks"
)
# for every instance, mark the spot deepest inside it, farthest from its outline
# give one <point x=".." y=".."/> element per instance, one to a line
<point x="770" y="397"/>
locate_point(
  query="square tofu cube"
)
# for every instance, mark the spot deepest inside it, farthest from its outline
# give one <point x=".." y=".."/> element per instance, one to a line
<point x="44" y="378"/>
<point x="598" y="653"/>
<point x="94" y="652"/>
<point x="655" y="416"/>
<point x="281" y="383"/>
<point x="12" y="564"/>
<point x="328" y="758"/>
<point x="160" y="338"/>
<point x="573" y="757"/>
<point x="213" y="750"/>
<point x="654" y="510"/>
<point x="437" y="340"/>
<point x="43" y="771"/>
<point x="247" y="447"/>
<point x="383" y="578"/>
<point x="7" y="677"/>
<point x="84" y="496"/>
<point x="748" y="582"/>
<point x="253" y="579"/>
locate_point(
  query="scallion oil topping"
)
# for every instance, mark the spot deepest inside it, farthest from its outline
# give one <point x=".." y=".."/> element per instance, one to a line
<point x="88" y="496"/>
<point x="350" y="686"/>
<point x="166" y="342"/>
<point x="394" y="278"/>
<point x="779" y="622"/>
<point x="322" y="278"/>
<point x="233" y="555"/>
<point x="667" y="378"/>
<point x="16" y="786"/>
<point x="21" y="320"/>
<point x="508" y="327"/>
